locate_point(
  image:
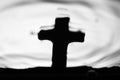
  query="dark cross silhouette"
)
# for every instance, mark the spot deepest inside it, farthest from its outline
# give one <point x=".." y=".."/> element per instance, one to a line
<point x="61" y="37"/>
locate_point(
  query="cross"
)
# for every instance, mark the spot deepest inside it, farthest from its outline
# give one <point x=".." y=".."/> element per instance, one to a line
<point x="61" y="37"/>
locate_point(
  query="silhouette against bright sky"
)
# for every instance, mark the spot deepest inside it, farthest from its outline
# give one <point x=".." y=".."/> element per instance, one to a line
<point x="60" y="37"/>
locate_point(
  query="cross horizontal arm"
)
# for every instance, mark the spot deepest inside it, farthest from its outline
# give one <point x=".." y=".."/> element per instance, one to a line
<point x="45" y="34"/>
<point x="76" y="36"/>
